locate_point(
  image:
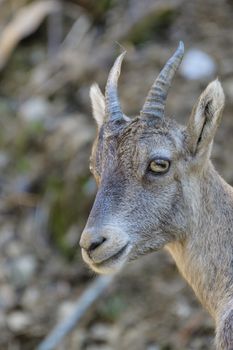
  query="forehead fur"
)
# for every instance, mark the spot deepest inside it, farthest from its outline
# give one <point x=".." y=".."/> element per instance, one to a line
<point x="141" y="129"/>
<point x="126" y="147"/>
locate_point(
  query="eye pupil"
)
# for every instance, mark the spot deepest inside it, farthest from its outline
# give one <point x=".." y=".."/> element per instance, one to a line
<point x="163" y="165"/>
<point x="158" y="166"/>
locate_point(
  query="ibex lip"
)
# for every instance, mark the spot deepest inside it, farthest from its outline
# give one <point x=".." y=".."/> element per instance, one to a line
<point x="114" y="257"/>
<point x="114" y="263"/>
<point x="110" y="264"/>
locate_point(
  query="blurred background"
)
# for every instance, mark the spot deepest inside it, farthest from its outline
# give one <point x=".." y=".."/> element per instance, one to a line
<point x="50" y="53"/>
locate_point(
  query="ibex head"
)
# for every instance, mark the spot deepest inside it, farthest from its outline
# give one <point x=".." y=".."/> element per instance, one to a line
<point x="144" y="168"/>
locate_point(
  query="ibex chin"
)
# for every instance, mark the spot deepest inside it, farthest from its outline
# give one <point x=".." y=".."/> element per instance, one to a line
<point x="157" y="188"/>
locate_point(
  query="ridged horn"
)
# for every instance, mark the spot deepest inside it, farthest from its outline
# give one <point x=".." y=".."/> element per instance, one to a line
<point x="156" y="99"/>
<point x="112" y="104"/>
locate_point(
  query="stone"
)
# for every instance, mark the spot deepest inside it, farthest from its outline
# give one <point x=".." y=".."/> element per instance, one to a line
<point x="65" y="310"/>
<point x="30" y="298"/>
<point x="197" y="65"/>
<point x="34" y="110"/>
<point x="18" y="321"/>
<point x="7" y="297"/>
<point x="22" y="270"/>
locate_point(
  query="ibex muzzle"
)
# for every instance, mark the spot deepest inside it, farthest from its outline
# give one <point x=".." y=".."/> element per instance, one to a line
<point x="105" y="242"/>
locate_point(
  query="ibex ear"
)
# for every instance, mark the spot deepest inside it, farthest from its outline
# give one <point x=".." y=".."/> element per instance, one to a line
<point x="205" y="118"/>
<point x="98" y="104"/>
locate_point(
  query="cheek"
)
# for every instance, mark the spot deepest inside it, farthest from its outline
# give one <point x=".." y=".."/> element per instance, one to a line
<point x="148" y="209"/>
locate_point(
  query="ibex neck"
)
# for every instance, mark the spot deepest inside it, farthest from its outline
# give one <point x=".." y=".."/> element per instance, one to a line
<point x="205" y="257"/>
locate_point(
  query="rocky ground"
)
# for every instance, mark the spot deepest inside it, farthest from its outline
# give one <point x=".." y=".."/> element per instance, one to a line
<point x="50" y="53"/>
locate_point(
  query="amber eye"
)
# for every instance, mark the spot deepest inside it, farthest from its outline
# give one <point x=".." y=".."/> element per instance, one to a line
<point x="159" y="166"/>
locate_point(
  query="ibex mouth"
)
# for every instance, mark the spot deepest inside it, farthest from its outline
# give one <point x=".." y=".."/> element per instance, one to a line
<point x="112" y="264"/>
<point x="114" y="256"/>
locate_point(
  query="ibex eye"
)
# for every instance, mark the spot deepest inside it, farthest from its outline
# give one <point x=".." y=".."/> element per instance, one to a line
<point x="159" y="166"/>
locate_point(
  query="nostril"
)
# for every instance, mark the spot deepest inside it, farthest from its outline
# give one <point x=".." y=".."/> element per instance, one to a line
<point x="95" y="244"/>
<point x="91" y="240"/>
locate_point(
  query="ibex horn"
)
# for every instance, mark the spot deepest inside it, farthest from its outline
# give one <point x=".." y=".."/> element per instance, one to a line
<point x="155" y="101"/>
<point x="113" y="108"/>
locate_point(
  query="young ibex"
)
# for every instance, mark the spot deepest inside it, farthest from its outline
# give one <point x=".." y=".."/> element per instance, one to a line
<point x="158" y="188"/>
